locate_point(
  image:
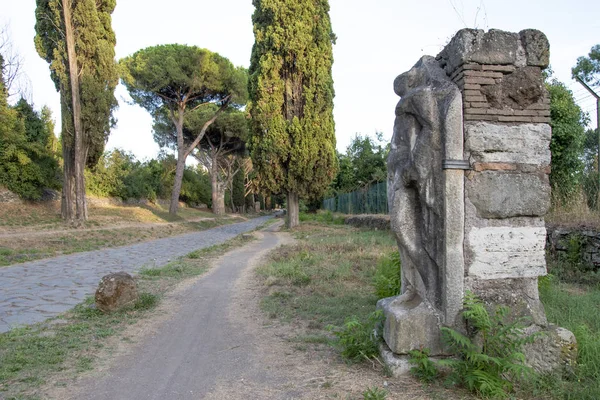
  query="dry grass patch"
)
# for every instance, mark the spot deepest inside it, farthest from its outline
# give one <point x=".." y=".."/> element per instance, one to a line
<point x="34" y="231"/>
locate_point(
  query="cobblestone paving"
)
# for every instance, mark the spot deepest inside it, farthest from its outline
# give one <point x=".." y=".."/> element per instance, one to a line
<point x="34" y="291"/>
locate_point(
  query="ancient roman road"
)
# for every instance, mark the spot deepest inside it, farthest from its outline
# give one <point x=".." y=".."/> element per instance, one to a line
<point x="34" y="291"/>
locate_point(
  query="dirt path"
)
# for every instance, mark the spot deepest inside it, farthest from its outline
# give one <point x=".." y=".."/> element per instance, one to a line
<point x="210" y="340"/>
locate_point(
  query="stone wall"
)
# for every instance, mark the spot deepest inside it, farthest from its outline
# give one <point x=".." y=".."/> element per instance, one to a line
<point x="376" y="222"/>
<point x="561" y="240"/>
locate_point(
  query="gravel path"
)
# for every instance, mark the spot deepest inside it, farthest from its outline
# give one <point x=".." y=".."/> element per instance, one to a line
<point x="34" y="291"/>
<point x="197" y="348"/>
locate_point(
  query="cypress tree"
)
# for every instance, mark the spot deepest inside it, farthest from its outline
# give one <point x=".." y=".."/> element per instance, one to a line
<point x="291" y="99"/>
<point x="76" y="38"/>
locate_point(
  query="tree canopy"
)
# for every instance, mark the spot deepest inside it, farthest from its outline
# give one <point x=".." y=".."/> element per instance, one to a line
<point x="588" y="68"/>
<point x="170" y="81"/>
<point x="291" y="99"/>
<point x="95" y="47"/>
<point x="568" y="136"/>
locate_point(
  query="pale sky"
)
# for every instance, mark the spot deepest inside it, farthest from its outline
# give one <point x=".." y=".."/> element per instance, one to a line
<point x="377" y="40"/>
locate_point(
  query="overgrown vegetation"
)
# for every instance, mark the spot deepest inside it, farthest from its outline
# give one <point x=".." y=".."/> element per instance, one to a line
<point x="358" y="339"/>
<point x="387" y="276"/>
<point x="423" y="368"/>
<point x="490" y="360"/>
<point x="56" y="350"/>
<point x="326" y="217"/>
<point x="574" y="307"/>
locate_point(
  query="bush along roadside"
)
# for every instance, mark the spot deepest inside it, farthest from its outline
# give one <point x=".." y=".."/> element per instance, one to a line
<point x="489" y="361"/>
<point x="58" y="349"/>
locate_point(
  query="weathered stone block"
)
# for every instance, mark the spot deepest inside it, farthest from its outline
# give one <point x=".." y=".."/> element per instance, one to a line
<point x="115" y="291"/>
<point x="526" y="143"/>
<point x="410" y="325"/>
<point x="507" y="252"/>
<point x="537" y="47"/>
<point x="495" y="48"/>
<point x="554" y="349"/>
<point x="505" y="195"/>
<point x="520" y="295"/>
<point x="518" y="90"/>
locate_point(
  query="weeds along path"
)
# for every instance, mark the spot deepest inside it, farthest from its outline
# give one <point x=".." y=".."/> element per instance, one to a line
<point x="34" y="291"/>
<point x="198" y="347"/>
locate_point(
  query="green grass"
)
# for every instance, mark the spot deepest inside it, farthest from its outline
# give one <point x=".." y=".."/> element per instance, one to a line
<point x="31" y="355"/>
<point x="575" y="308"/>
<point x="326" y="217"/>
<point x="39" y="354"/>
<point x="326" y="277"/>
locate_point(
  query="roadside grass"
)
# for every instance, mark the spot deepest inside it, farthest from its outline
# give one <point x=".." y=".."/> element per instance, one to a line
<point x="576" y="308"/>
<point x="326" y="277"/>
<point x="55" y="351"/>
<point x="23" y="248"/>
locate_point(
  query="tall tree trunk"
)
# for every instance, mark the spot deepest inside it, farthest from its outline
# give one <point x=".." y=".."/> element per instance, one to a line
<point x="293" y="210"/>
<point x="218" y="192"/>
<point x="79" y="153"/>
<point x="67" y="209"/>
<point x="181" y="156"/>
<point x="174" y="206"/>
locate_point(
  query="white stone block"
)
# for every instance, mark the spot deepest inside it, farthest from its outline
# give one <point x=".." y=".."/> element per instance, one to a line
<point x="507" y="252"/>
<point x="523" y="143"/>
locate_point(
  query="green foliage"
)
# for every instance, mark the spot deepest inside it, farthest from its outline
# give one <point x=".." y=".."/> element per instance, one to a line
<point x="95" y="48"/>
<point x="424" y="369"/>
<point x="146" y="301"/>
<point x="576" y="309"/>
<point x="326" y="217"/>
<point x="374" y="393"/>
<point x="490" y="365"/>
<point x="27" y="161"/>
<point x="588" y="68"/>
<point x="119" y="174"/>
<point x="165" y="76"/>
<point x="358" y="338"/>
<point x="568" y="136"/>
<point x="195" y="188"/>
<point x="387" y="276"/>
<point x="291" y="92"/>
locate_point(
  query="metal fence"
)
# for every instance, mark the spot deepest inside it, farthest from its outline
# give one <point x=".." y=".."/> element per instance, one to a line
<point x="368" y="200"/>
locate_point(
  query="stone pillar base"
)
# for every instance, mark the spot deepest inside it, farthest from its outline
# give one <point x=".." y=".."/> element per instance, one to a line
<point x="410" y="324"/>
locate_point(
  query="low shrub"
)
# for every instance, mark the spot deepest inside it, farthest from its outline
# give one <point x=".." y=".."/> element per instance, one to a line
<point x="358" y="339"/>
<point x="423" y="368"/>
<point x="387" y="276"/>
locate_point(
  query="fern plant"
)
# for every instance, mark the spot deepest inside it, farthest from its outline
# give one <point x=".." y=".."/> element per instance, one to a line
<point x="423" y="368"/>
<point x="357" y="338"/>
<point x="491" y="365"/>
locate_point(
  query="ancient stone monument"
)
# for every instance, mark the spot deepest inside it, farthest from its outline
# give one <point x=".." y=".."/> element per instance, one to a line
<point x="468" y="185"/>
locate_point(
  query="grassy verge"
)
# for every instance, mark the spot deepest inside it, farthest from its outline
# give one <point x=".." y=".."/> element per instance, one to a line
<point x="22" y="248"/>
<point x="56" y="350"/>
<point x="575" y="307"/>
<point x="326" y="277"/>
